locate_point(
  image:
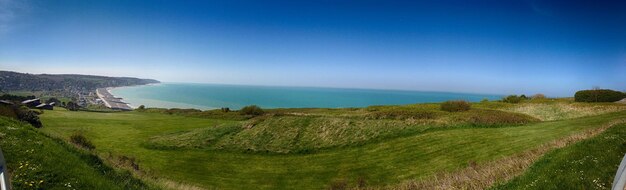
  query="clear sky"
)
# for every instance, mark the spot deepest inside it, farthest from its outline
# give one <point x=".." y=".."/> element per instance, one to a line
<point x="501" y="47"/>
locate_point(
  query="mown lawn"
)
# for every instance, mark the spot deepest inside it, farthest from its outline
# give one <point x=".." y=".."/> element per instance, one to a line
<point x="589" y="164"/>
<point x="380" y="163"/>
<point x="36" y="161"/>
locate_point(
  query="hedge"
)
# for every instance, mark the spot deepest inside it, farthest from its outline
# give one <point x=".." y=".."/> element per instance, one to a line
<point x="602" y="95"/>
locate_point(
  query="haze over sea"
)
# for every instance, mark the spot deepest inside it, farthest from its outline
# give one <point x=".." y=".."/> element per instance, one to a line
<point x="213" y="96"/>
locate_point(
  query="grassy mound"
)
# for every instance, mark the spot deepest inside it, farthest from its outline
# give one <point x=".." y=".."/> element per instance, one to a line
<point x="36" y="161"/>
<point x="562" y="110"/>
<point x="299" y="132"/>
<point x="590" y="164"/>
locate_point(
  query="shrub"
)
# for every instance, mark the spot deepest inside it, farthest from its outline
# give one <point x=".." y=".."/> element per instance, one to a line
<point x="226" y="109"/>
<point x="80" y="140"/>
<point x="484" y="100"/>
<point x="600" y="95"/>
<point x="455" y="106"/>
<point x="514" y="99"/>
<point x="72" y="106"/>
<point x="141" y="107"/>
<point x="251" y="110"/>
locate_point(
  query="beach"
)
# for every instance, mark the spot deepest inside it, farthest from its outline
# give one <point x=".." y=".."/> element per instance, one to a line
<point x="111" y="101"/>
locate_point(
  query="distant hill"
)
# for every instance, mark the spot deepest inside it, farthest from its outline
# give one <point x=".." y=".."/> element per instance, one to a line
<point x="14" y="81"/>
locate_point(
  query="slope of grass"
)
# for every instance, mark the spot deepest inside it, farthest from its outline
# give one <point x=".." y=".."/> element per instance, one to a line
<point x="36" y="161"/>
<point x="404" y="157"/>
<point x="561" y="110"/>
<point x="590" y="164"/>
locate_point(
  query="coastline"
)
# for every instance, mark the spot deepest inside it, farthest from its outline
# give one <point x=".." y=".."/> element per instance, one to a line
<point x="111" y="101"/>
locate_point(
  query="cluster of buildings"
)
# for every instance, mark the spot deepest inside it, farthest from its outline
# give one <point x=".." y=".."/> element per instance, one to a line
<point x="36" y="103"/>
<point x="32" y="103"/>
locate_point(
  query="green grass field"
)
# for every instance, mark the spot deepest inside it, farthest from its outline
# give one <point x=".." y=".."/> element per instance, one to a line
<point x="590" y="164"/>
<point x="36" y="161"/>
<point x="377" y="146"/>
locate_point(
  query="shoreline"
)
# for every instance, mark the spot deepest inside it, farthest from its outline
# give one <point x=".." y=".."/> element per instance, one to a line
<point x="111" y="101"/>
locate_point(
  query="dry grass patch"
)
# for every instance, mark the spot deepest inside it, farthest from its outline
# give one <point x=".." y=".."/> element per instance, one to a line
<point x="560" y="111"/>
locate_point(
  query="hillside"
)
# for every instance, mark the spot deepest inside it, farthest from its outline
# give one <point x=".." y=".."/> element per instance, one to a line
<point x="63" y="85"/>
<point x="408" y="146"/>
<point x="36" y="161"/>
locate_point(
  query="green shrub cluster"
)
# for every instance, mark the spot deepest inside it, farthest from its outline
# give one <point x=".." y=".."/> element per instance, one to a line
<point x="251" y="110"/>
<point x="599" y="95"/>
<point x="82" y="141"/>
<point x="514" y="99"/>
<point x="455" y="106"/>
<point x="21" y="113"/>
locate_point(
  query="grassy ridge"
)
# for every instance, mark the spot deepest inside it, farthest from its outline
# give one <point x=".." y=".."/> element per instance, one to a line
<point x="381" y="163"/>
<point x="590" y="164"/>
<point x="36" y="161"/>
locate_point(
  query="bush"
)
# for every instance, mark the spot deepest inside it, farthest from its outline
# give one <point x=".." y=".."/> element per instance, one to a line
<point x="455" y="106"/>
<point x="141" y="107"/>
<point x="72" y="106"/>
<point x="514" y="99"/>
<point x="600" y="95"/>
<point x="251" y="110"/>
<point x="80" y="140"/>
<point x="226" y="109"/>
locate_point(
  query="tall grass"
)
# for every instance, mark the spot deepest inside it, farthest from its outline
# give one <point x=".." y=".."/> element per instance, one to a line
<point x="560" y="111"/>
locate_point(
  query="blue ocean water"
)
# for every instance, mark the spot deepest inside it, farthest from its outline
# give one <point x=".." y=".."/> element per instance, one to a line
<point x="212" y="96"/>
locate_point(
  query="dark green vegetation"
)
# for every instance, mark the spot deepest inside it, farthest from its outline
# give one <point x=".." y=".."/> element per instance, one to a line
<point x="590" y="164"/>
<point x="36" y="161"/>
<point x="21" y="113"/>
<point x="69" y="86"/>
<point x="318" y="148"/>
<point x="514" y="99"/>
<point x="455" y="106"/>
<point x="599" y="95"/>
<point x="251" y="110"/>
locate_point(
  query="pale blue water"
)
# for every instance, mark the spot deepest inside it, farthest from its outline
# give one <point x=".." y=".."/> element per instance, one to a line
<point x="212" y="96"/>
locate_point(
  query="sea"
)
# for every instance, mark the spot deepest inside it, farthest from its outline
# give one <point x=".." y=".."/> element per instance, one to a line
<point x="215" y="96"/>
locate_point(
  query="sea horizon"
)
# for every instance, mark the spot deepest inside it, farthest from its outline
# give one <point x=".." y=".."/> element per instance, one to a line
<point x="206" y="96"/>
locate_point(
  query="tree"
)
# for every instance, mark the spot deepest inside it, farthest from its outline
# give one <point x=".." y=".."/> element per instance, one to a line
<point x="141" y="107"/>
<point x="72" y="106"/>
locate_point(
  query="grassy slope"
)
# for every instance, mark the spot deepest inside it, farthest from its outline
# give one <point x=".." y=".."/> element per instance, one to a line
<point x="381" y="163"/>
<point x="590" y="164"/>
<point x="36" y="161"/>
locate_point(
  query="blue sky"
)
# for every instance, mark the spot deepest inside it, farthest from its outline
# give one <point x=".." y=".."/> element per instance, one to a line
<point x="500" y="47"/>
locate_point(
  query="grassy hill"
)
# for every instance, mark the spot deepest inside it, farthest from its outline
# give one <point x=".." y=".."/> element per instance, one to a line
<point x="36" y="161"/>
<point x="590" y="164"/>
<point x="379" y="146"/>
